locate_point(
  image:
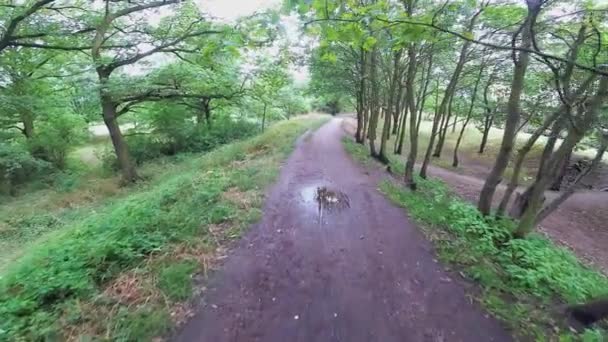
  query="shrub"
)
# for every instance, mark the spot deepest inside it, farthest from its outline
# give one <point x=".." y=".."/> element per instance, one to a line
<point x="56" y="136"/>
<point x="184" y="138"/>
<point x="17" y="166"/>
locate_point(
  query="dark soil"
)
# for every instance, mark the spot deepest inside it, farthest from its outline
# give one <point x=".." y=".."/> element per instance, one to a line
<point x="333" y="260"/>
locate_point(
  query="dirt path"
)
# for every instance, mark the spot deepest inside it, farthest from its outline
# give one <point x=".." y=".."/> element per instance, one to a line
<point x="357" y="270"/>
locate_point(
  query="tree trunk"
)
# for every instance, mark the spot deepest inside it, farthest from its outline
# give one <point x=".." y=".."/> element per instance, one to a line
<point x="468" y="118"/>
<point x="563" y="168"/>
<point x="411" y="104"/>
<point x="455" y="122"/>
<point x="360" y="134"/>
<point x="374" y="105"/>
<point x="129" y="174"/>
<point x="427" y="79"/>
<point x="399" y="148"/>
<point x="388" y="116"/>
<point x="588" y="113"/>
<point x="206" y="103"/>
<point x="551" y="207"/>
<point x="108" y="109"/>
<point x="398" y="103"/>
<point x="519" y="161"/>
<point x="487" y="125"/>
<point x="400" y="122"/>
<point x="429" y="148"/>
<point x="386" y="132"/>
<point x="443" y="131"/>
<point x="489" y="117"/>
<point x="451" y="88"/>
<point x="264" y="117"/>
<point x="513" y="111"/>
<point x="28" y="124"/>
<point x="521" y="201"/>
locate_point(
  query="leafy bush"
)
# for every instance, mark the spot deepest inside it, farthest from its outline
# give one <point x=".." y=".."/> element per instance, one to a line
<point x="55" y="137"/>
<point x="173" y="139"/>
<point x="17" y="165"/>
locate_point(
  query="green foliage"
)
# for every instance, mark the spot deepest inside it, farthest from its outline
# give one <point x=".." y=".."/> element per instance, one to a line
<point x="142" y="325"/>
<point x="181" y="136"/>
<point x="17" y="166"/>
<point x="56" y="136"/>
<point x="175" y="281"/>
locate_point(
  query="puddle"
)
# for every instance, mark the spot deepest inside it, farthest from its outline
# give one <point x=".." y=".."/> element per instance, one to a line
<point x="324" y="199"/>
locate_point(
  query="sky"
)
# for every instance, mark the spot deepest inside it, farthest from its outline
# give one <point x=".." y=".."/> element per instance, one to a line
<point x="232" y="9"/>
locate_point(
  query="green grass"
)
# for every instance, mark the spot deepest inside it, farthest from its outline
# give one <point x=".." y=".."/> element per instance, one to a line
<point x="523" y="281"/>
<point x="119" y="272"/>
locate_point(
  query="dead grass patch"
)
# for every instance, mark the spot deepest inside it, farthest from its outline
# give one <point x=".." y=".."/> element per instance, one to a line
<point x="242" y="200"/>
<point x="133" y="288"/>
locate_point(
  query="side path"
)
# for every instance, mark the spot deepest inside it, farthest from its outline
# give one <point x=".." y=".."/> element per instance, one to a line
<point x="350" y="268"/>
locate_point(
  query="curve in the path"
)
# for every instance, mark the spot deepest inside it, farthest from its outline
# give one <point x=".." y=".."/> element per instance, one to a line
<point x="360" y="271"/>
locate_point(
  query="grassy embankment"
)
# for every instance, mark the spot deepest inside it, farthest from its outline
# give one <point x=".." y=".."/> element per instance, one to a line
<point x="523" y="282"/>
<point x="121" y="267"/>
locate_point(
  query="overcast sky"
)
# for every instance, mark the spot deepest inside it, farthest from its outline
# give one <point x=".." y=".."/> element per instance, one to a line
<point x="232" y="9"/>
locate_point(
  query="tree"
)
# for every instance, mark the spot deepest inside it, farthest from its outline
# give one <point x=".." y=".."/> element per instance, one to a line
<point x="520" y="61"/>
<point x="269" y="78"/>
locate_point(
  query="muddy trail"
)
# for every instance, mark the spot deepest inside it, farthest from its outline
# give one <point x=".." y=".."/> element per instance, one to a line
<point x="333" y="260"/>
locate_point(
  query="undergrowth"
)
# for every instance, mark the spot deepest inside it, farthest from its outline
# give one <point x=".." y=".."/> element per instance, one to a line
<point x="525" y="282"/>
<point x="122" y="272"/>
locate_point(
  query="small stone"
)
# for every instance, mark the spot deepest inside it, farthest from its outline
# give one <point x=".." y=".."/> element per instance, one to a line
<point x="361" y="237"/>
<point x="335" y="315"/>
<point x="279" y="231"/>
<point x="214" y="306"/>
<point x="274" y="299"/>
<point x="296" y="317"/>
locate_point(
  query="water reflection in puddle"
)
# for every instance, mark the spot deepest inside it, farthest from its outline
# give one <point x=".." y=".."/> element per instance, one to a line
<point x="324" y="199"/>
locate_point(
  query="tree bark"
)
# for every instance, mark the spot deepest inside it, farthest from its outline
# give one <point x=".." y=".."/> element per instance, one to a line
<point x="443" y="130"/>
<point x="429" y="148"/>
<point x="27" y="120"/>
<point x="521" y="155"/>
<point x="513" y="110"/>
<point x="399" y="147"/>
<point x="374" y="105"/>
<point x="563" y="168"/>
<point x="468" y="118"/>
<point x="360" y="134"/>
<point x="264" y="117"/>
<point x="411" y="103"/>
<point x="487" y="125"/>
<point x="551" y="207"/>
<point x="580" y="124"/>
<point x="388" y="115"/>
